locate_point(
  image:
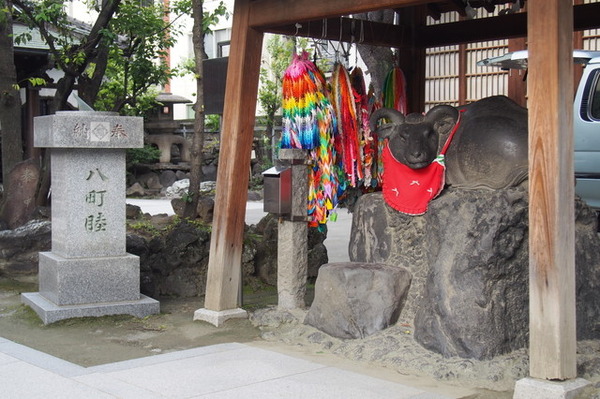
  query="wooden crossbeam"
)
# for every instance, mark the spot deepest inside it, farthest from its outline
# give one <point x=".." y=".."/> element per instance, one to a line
<point x="348" y="30"/>
<point x="585" y="16"/>
<point x="271" y="13"/>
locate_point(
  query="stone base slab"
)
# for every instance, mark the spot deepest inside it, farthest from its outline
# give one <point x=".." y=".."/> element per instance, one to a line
<point x="217" y="318"/>
<point x="533" y="388"/>
<point x="49" y="312"/>
<point x="79" y="281"/>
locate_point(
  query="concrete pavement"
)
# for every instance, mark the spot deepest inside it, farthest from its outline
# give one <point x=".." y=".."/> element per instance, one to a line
<point x="224" y="371"/>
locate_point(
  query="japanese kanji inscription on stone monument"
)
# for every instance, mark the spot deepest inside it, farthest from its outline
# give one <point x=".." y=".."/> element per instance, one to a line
<point x="88" y="272"/>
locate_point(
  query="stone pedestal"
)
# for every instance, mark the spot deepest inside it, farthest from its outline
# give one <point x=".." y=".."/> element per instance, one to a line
<point x="88" y="272"/>
<point x="217" y="318"/>
<point x="292" y="244"/>
<point x="533" y="388"/>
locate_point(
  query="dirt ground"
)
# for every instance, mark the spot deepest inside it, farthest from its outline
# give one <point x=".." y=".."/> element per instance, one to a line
<point x="391" y="354"/>
<point x="94" y="341"/>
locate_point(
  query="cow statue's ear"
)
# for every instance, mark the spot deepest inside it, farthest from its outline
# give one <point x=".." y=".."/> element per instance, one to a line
<point x="443" y="118"/>
<point x="386" y="130"/>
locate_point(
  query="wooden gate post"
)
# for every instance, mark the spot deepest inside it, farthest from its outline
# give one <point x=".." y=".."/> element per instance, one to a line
<point x="552" y="332"/>
<point x="224" y="265"/>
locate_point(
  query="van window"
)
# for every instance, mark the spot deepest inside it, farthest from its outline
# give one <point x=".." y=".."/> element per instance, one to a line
<point x="595" y="99"/>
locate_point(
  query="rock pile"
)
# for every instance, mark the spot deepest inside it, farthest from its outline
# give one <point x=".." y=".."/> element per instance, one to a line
<point x="175" y="262"/>
<point x="155" y="183"/>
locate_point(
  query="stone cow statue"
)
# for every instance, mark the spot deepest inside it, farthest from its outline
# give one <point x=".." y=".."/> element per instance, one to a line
<point x="489" y="147"/>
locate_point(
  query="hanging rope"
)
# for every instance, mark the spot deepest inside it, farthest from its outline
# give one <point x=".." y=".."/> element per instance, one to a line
<point x="394" y="90"/>
<point x="368" y="141"/>
<point x="301" y="85"/>
<point x="309" y="122"/>
<point x="347" y="143"/>
<point x="374" y="104"/>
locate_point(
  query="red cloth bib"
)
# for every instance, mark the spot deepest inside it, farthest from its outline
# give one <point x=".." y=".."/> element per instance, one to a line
<point x="410" y="190"/>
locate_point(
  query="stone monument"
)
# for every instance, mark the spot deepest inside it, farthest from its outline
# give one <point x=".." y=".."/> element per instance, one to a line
<point x="88" y="272"/>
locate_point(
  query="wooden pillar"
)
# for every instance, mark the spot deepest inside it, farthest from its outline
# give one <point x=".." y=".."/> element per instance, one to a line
<point x="462" y="74"/>
<point x="577" y="44"/>
<point x="412" y="59"/>
<point x="224" y="265"/>
<point x="552" y="339"/>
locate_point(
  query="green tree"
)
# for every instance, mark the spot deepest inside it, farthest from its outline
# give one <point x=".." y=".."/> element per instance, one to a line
<point x="118" y="61"/>
<point x="137" y="59"/>
<point x="120" y="51"/>
<point x="72" y="52"/>
<point x="202" y="23"/>
<point x="10" y="101"/>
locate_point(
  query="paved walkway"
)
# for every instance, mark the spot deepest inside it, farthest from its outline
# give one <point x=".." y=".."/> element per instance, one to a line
<point x="217" y="372"/>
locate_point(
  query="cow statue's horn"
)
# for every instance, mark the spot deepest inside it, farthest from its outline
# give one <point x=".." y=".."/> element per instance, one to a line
<point x="391" y="114"/>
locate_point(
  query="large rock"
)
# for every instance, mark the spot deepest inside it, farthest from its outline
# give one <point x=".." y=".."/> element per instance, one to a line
<point x="19" y="248"/>
<point x="21" y="189"/>
<point x="204" y="210"/>
<point x="209" y="173"/>
<point x="180" y="175"/>
<point x="266" y="249"/>
<point x="167" y="178"/>
<point x="266" y="254"/>
<point x="150" y="181"/>
<point x="136" y="190"/>
<point x="355" y="300"/>
<point x="178" y="189"/>
<point x="176" y="263"/>
<point x="475" y="297"/>
<point x="381" y="234"/>
<point x="208" y="186"/>
<point x="469" y="259"/>
<point x="132" y="211"/>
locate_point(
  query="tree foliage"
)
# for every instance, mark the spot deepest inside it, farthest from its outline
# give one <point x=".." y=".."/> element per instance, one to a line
<point x="10" y="101"/>
<point x="116" y="61"/>
<point x="72" y="50"/>
<point x="137" y="59"/>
